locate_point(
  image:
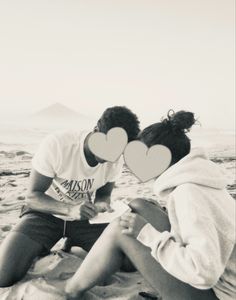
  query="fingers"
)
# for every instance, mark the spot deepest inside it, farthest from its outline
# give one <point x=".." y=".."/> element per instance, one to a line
<point x="83" y="211"/>
<point x="128" y="216"/>
<point x="109" y="209"/>
<point x="127" y="222"/>
<point x="127" y="227"/>
<point x="131" y="223"/>
<point x="89" y="205"/>
<point x="103" y="206"/>
<point x="124" y="223"/>
<point x="128" y="231"/>
<point x="88" y="210"/>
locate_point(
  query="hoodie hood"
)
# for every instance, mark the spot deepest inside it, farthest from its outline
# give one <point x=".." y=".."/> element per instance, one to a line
<point x="194" y="168"/>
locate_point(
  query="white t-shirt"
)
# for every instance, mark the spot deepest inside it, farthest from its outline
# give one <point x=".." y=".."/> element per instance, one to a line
<point x="61" y="156"/>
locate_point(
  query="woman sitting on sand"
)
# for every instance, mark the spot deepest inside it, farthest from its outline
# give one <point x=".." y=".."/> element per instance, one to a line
<point x="189" y="253"/>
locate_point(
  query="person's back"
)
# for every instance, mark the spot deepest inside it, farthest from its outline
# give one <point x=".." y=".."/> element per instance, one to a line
<point x="226" y="286"/>
<point x="195" y="192"/>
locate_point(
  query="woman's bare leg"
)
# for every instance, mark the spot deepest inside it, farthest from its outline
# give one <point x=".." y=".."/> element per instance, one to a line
<point x="101" y="266"/>
<point x="106" y="257"/>
<point x="152" y="213"/>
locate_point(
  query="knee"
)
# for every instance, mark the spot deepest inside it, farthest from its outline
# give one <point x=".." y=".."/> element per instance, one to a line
<point x="6" y="281"/>
<point x="113" y="229"/>
<point x="8" y="277"/>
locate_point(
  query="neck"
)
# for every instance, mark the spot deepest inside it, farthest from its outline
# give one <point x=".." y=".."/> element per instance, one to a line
<point x="89" y="156"/>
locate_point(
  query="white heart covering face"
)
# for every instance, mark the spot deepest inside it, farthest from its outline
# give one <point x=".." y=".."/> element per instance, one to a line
<point x="146" y="163"/>
<point x="108" y="146"/>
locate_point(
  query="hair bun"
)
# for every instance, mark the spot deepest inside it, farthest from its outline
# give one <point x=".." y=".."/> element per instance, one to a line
<point x="182" y="120"/>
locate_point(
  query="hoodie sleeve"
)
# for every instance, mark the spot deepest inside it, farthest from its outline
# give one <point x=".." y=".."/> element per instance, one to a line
<point x="201" y="256"/>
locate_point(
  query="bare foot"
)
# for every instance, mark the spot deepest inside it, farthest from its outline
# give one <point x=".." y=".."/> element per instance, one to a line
<point x="72" y="294"/>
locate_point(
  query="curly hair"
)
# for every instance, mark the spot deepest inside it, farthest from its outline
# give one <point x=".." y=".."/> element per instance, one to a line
<point x="171" y="132"/>
<point x="119" y="116"/>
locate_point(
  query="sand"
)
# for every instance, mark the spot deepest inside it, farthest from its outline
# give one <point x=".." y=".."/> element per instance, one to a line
<point x="47" y="275"/>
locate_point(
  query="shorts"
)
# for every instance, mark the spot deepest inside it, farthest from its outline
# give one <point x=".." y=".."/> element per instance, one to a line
<point x="47" y="230"/>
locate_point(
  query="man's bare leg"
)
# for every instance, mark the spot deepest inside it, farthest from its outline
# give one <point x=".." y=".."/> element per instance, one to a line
<point x="17" y="253"/>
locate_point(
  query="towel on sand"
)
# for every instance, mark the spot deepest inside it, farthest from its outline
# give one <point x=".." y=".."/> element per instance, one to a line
<point x="47" y="277"/>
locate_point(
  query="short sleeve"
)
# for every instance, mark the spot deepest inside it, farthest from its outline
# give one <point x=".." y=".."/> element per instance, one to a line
<point x="116" y="170"/>
<point x="46" y="157"/>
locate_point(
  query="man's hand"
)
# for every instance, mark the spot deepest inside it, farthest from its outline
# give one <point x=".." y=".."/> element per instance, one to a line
<point x="103" y="206"/>
<point x="82" y="211"/>
<point x="132" y="223"/>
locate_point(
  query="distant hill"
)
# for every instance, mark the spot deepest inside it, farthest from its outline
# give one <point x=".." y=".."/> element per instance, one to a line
<point x="57" y="110"/>
<point x="59" y="116"/>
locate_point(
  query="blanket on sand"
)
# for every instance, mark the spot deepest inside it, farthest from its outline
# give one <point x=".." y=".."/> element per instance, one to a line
<point x="47" y="277"/>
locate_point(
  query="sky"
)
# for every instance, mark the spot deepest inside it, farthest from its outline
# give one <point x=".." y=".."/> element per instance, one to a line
<point x="150" y="55"/>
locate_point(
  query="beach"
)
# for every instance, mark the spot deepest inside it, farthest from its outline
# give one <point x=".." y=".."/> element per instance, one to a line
<point x="47" y="276"/>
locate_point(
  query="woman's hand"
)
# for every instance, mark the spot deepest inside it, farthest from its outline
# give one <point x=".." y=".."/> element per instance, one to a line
<point x="132" y="224"/>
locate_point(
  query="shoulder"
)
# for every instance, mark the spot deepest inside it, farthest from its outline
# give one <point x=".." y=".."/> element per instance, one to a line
<point x="186" y="188"/>
<point x="115" y="165"/>
<point x="67" y="135"/>
<point x="114" y="170"/>
<point x="194" y="200"/>
<point x="190" y="197"/>
<point x="67" y="138"/>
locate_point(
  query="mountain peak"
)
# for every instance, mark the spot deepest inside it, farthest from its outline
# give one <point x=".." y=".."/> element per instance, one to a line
<point x="60" y="116"/>
<point x="57" y="110"/>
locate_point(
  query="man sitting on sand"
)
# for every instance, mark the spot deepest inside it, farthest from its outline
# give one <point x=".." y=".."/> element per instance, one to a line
<point x="68" y="186"/>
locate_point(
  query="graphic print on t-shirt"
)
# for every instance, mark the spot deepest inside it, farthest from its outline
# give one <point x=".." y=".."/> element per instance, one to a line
<point x="73" y="190"/>
<point x="61" y="157"/>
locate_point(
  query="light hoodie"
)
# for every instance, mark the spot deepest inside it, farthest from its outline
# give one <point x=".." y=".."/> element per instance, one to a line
<point x="200" y="249"/>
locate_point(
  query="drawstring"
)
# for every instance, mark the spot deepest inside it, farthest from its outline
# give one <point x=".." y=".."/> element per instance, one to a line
<point x="64" y="229"/>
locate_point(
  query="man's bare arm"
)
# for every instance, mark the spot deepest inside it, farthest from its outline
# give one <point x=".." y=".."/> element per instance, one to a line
<point x="103" y="197"/>
<point x="103" y="194"/>
<point x="38" y="200"/>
